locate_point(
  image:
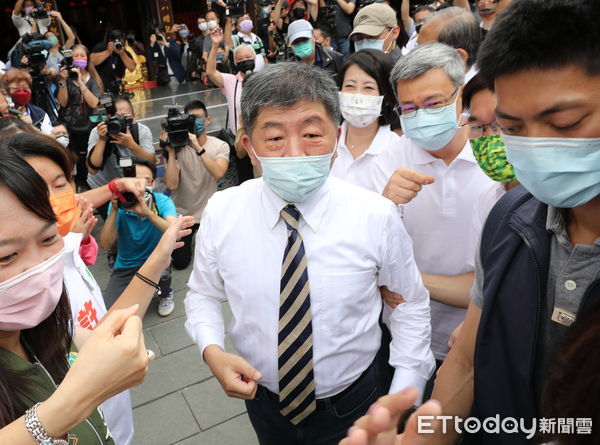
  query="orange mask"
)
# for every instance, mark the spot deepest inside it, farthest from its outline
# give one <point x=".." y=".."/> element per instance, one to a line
<point x="65" y="207"/>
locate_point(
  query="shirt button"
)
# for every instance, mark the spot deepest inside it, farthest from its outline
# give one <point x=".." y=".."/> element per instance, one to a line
<point x="570" y="285"/>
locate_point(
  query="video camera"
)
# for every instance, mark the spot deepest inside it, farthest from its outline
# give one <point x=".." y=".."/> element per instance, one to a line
<point x="235" y="8"/>
<point x="178" y="125"/>
<point x="33" y="47"/>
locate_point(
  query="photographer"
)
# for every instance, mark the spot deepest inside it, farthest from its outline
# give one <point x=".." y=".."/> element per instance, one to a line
<point x="167" y="53"/>
<point x="102" y="155"/>
<point x="192" y="173"/>
<point x="338" y="15"/>
<point x="138" y="231"/>
<point x="28" y="15"/>
<point x="79" y="87"/>
<point x="18" y="84"/>
<point x="111" y="59"/>
<point x="245" y="36"/>
<point x="299" y="9"/>
<point x="55" y="58"/>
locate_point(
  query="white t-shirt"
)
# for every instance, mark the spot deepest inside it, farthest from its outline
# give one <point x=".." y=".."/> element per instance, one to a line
<point x="24" y="24"/>
<point x="361" y="171"/>
<point x="88" y="308"/>
<point x="438" y="220"/>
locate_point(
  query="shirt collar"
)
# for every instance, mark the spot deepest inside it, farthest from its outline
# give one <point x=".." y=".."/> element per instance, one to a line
<point x="312" y="209"/>
<point x="380" y="141"/>
<point x="422" y="156"/>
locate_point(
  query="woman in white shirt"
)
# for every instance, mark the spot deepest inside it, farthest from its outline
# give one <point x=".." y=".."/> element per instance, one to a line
<point x="367" y="104"/>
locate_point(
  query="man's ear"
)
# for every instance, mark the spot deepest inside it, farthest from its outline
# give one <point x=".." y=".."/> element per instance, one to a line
<point x="207" y="121"/>
<point x="247" y="144"/>
<point x="463" y="54"/>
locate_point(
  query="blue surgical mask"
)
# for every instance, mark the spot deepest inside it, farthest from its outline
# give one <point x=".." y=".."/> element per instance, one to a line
<point x="220" y="58"/>
<point x="371" y="44"/>
<point x="266" y="10"/>
<point x="199" y="126"/>
<point x="431" y="131"/>
<point x="294" y="179"/>
<point x="303" y="49"/>
<point x="562" y="172"/>
<point x="184" y="33"/>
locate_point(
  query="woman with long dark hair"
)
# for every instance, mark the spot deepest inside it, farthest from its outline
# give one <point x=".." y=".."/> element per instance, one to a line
<point x="367" y="104"/>
<point x="37" y="338"/>
<point x="53" y="163"/>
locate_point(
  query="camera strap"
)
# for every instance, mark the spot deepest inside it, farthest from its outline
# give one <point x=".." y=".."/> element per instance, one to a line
<point x="235" y="104"/>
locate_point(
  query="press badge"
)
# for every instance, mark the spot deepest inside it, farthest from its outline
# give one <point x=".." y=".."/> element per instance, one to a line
<point x="562" y="316"/>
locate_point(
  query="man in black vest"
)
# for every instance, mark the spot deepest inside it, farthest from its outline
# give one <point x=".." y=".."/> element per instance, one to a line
<point x="538" y="268"/>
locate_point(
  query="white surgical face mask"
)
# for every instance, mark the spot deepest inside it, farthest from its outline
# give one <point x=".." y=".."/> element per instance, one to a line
<point x="360" y="110"/>
<point x="202" y="26"/>
<point x="63" y="140"/>
<point x="212" y="24"/>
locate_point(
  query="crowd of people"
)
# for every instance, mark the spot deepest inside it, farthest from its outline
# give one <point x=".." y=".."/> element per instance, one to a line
<point x="407" y="223"/>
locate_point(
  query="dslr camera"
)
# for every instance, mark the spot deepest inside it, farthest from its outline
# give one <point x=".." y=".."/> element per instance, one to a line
<point x="39" y="12"/>
<point x="178" y="125"/>
<point x="107" y="112"/>
<point x="235" y="8"/>
<point x="67" y="62"/>
<point x="118" y="45"/>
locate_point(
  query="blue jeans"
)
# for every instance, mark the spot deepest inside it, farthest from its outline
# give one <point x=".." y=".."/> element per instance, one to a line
<point x="325" y="426"/>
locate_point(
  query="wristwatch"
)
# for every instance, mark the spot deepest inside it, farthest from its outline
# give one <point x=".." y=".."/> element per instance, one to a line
<point x="61" y="84"/>
<point x="201" y="152"/>
<point x="36" y="429"/>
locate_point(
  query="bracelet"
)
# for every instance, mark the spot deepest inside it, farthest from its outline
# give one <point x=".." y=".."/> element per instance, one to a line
<point x="201" y="152"/>
<point x="36" y="429"/>
<point x="149" y="282"/>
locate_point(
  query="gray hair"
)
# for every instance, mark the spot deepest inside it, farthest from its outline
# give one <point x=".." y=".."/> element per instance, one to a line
<point x="286" y="84"/>
<point x="459" y="30"/>
<point x="243" y="45"/>
<point x="427" y="57"/>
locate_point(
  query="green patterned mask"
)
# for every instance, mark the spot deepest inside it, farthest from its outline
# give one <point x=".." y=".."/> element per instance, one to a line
<point x="490" y="153"/>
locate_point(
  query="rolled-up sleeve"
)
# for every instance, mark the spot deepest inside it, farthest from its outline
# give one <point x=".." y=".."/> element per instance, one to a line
<point x="409" y="322"/>
<point x="204" y="322"/>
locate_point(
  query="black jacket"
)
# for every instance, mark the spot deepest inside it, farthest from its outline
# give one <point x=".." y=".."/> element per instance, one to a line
<point x="515" y="254"/>
<point x="330" y="61"/>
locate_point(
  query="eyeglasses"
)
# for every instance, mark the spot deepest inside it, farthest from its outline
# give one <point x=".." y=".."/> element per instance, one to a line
<point x="432" y="106"/>
<point x="476" y="130"/>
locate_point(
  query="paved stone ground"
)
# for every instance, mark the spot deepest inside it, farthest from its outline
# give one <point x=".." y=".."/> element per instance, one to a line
<point x="180" y="402"/>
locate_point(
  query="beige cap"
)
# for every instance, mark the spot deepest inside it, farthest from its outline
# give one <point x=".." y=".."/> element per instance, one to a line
<point x="372" y="20"/>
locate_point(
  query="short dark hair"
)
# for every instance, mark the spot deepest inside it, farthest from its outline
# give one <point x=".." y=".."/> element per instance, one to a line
<point x="27" y="144"/>
<point x="123" y="99"/>
<point x="195" y="105"/>
<point x="423" y="8"/>
<point x="473" y="86"/>
<point x="377" y="65"/>
<point x="325" y="29"/>
<point x="146" y="163"/>
<point x="542" y="34"/>
<point x="115" y="34"/>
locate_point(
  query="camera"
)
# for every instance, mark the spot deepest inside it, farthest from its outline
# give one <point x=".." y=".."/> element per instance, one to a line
<point x="67" y="62"/>
<point x="127" y="165"/>
<point x="117" y="124"/>
<point x="108" y="104"/>
<point x="118" y="45"/>
<point x="235" y="8"/>
<point x="34" y="48"/>
<point x="178" y="125"/>
<point x="39" y="12"/>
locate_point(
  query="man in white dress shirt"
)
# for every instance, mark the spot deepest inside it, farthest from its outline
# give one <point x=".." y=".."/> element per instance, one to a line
<point x="437" y="182"/>
<point x="300" y="257"/>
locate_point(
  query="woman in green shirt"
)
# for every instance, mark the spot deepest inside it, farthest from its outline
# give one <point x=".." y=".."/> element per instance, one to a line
<point x="49" y="392"/>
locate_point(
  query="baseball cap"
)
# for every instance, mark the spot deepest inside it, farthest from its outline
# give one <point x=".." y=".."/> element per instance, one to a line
<point x="372" y="20"/>
<point x="299" y="29"/>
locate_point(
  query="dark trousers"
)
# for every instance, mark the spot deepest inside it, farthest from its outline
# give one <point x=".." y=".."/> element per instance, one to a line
<point x="325" y="426"/>
<point x="120" y="279"/>
<point x="181" y="258"/>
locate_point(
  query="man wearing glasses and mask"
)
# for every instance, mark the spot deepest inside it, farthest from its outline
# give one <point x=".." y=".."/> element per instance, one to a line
<point x="435" y="180"/>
